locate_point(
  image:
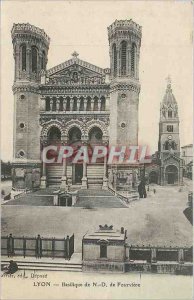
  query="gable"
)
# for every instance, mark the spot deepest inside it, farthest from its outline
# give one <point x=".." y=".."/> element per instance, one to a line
<point x="76" y="71"/>
<point x="171" y="158"/>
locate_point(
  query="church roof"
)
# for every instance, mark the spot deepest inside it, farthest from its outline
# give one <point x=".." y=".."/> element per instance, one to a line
<point x="169" y="98"/>
<point x="75" y="60"/>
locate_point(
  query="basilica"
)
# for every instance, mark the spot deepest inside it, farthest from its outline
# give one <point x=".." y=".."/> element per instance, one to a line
<point x="77" y="103"/>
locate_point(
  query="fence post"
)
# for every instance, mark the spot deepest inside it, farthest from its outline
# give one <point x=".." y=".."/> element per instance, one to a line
<point x="68" y="254"/>
<point x="24" y="246"/>
<point x="65" y="248"/>
<point x="53" y="248"/>
<point x="38" y="249"/>
<point x="73" y="245"/>
<point x="153" y="255"/>
<point x="10" y="246"/>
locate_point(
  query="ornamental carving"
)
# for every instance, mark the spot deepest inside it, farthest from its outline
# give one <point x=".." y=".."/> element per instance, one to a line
<point x="76" y="75"/>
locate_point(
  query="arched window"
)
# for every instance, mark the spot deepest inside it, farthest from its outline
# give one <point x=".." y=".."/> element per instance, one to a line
<point x="48" y="104"/>
<point x="43" y="62"/>
<point x="95" y="104"/>
<point x="68" y="104"/>
<point x="23" y="57"/>
<point x="81" y="107"/>
<point x="88" y="108"/>
<point x="170" y="113"/>
<point x="114" y="51"/>
<point x="61" y="104"/>
<point x="123" y="57"/>
<point x="133" y="58"/>
<point x="34" y="59"/>
<point x="103" y="104"/>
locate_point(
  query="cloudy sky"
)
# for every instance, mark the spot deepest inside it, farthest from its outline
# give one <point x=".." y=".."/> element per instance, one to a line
<point x="82" y="26"/>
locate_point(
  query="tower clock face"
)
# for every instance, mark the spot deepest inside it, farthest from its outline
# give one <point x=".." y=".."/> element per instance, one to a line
<point x="170" y="137"/>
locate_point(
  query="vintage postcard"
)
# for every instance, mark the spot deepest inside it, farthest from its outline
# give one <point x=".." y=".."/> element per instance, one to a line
<point x="96" y="150"/>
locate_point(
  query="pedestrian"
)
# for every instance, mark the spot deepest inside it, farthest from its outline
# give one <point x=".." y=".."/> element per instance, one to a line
<point x="10" y="246"/>
<point x="12" y="268"/>
<point x="38" y="250"/>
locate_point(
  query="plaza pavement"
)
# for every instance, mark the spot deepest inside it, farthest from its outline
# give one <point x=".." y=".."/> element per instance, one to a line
<point x="157" y="220"/>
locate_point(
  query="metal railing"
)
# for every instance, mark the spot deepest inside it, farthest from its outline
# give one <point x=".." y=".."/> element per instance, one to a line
<point x="37" y="246"/>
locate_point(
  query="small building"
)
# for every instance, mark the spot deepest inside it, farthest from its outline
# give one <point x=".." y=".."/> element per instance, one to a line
<point x="64" y="198"/>
<point x="104" y="250"/>
<point x="187" y="153"/>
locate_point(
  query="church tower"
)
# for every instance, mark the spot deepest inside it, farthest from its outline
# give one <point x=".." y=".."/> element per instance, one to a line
<point x="169" y="141"/>
<point x="124" y="48"/>
<point x="30" y="49"/>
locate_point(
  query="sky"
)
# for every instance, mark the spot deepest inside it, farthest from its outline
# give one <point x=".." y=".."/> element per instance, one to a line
<point x="166" y="49"/>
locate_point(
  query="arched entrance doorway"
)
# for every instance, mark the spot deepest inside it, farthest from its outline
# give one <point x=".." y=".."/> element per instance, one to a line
<point x="95" y="136"/>
<point x="54" y="135"/>
<point x="54" y="169"/>
<point x="95" y="171"/>
<point x="171" y="174"/>
<point x="153" y="177"/>
<point x="74" y="138"/>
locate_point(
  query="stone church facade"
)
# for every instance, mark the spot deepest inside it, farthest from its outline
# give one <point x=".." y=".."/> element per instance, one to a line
<point x="167" y="166"/>
<point x="74" y="103"/>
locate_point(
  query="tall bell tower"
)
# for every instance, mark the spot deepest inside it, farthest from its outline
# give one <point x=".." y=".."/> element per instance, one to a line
<point x="30" y="49"/>
<point x="124" y="48"/>
<point x="171" y="165"/>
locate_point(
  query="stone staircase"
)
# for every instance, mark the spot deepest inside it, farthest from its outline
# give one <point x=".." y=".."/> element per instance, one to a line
<point x="45" y="264"/>
<point x="95" y="175"/>
<point x="93" y="198"/>
<point x="54" y="173"/>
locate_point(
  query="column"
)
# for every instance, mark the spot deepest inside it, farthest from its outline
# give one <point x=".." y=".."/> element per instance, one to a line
<point x="57" y="104"/>
<point x="92" y="104"/>
<point x="105" y="179"/>
<point x="71" y="103"/>
<point x="153" y="255"/>
<point x="51" y="104"/>
<point x="78" y="104"/>
<point x="28" y="61"/>
<point x="107" y="101"/>
<point x="43" y="178"/>
<point x="99" y="104"/>
<point x="84" y="179"/>
<point x="17" y="62"/>
<point x="181" y="175"/>
<point x="85" y="103"/>
<point x="64" y="184"/>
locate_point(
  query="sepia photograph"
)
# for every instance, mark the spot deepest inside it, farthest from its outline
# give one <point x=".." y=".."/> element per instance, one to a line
<point x="96" y="150"/>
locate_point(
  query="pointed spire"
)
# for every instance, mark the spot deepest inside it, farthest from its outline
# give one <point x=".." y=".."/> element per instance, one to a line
<point x="169" y="97"/>
<point x="168" y="80"/>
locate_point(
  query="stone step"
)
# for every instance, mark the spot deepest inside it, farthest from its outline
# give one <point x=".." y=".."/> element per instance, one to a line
<point x="54" y="266"/>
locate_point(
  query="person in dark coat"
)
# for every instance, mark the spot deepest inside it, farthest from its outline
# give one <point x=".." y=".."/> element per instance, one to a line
<point x="12" y="268"/>
<point x="10" y="246"/>
<point x="38" y="247"/>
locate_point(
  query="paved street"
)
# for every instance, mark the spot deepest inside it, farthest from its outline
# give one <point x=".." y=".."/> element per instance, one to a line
<point x="156" y="220"/>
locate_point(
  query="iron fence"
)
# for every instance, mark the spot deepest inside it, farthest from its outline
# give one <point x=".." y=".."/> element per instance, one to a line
<point x="37" y="246"/>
